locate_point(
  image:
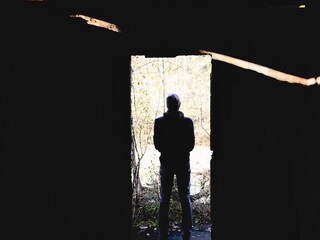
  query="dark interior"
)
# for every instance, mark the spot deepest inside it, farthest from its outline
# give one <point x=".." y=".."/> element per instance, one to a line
<point x="65" y="115"/>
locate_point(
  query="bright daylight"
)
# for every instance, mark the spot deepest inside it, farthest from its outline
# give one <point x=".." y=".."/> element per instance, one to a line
<point x="152" y="79"/>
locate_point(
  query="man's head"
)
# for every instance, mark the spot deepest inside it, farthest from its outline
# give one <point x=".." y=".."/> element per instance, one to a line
<point x="173" y="102"/>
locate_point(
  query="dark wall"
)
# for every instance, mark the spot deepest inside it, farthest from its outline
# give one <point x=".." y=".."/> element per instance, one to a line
<point x="262" y="129"/>
<point x="65" y="129"/>
<point x="65" y="118"/>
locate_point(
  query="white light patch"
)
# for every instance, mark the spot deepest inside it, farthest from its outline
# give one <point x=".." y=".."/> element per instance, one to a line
<point x="98" y="23"/>
<point x="281" y="76"/>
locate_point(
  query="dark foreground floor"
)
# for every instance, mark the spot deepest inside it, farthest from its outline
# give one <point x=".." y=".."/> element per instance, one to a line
<point x="199" y="233"/>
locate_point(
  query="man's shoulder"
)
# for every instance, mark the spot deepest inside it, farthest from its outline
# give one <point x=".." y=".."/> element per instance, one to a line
<point x="188" y="119"/>
<point x="159" y="119"/>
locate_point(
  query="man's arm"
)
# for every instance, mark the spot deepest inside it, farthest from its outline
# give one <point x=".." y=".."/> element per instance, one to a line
<point x="157" y="136"/>
<point x="191" y="137"/>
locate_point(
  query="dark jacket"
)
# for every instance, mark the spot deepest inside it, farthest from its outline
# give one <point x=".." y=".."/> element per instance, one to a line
<point x="174" y="137"/>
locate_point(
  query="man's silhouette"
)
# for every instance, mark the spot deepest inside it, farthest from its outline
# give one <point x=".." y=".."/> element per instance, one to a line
<point x="174" y="139"/>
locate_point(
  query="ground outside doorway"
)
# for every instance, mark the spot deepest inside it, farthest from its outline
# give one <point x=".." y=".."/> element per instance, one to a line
<point x="200" y="232"/>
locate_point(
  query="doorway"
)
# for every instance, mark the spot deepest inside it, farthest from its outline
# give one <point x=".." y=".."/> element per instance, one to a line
<point x="152" y="79"/>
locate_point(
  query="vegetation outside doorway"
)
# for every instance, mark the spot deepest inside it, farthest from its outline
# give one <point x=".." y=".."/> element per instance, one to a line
<point x="152" y="79"/>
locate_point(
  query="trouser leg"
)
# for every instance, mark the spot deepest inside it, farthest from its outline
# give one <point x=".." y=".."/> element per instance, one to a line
<point x="183" y="181"/>
<point x="166" y="184"/>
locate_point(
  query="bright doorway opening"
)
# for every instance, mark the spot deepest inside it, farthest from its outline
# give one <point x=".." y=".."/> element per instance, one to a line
<point x="152" y="79"/>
